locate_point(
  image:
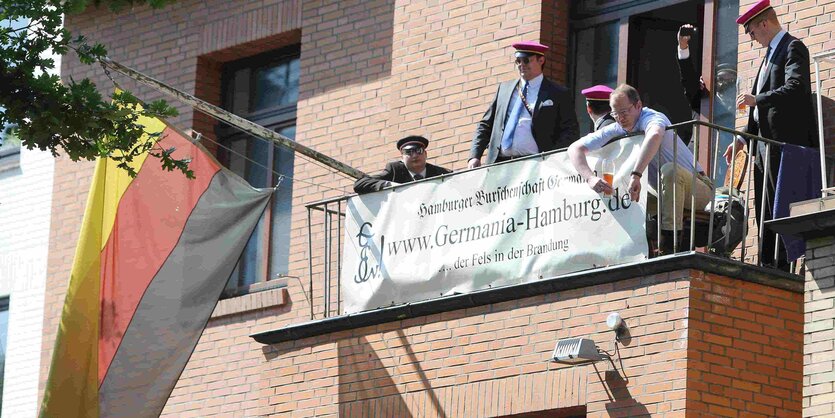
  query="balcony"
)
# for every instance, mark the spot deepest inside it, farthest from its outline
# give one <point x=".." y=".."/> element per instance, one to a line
<point x="711" y="240"/>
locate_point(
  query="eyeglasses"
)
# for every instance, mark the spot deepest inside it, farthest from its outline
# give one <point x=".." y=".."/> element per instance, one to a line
<point x="412" y="151"/>
<point x="526" y="60"/>
<point x="616" y="113"/>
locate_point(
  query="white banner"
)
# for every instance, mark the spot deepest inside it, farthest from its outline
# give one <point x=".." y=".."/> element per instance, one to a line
<point x="502" y="225"/>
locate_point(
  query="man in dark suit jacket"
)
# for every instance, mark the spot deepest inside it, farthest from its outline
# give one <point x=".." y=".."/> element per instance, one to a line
<point x="527" y="116"/>
<point x="411" y="167"/>
<point x="693" y="84"/>
<point x="780" y="106"/>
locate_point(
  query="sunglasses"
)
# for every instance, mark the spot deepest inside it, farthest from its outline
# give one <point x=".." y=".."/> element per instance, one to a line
<point x="750" y="28"/>
<point x="525" y="60"/>
<point x="413" y="151"/>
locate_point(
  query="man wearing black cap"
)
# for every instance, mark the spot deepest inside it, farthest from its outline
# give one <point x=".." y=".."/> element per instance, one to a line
<point x="528" y="115"/>
<point x="780" y="106"/>
<point x="411" y="167"/>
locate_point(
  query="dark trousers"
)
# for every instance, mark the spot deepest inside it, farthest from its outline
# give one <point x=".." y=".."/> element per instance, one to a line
<point x="769" y="237"/>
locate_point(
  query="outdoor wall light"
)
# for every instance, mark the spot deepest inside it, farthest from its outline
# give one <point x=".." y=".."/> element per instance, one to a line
<point x="616" y="324"/>
<point x="576" y="351"/>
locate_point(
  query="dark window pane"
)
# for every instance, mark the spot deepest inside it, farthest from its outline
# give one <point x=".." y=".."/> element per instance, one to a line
<point x="264" y="90"/>
<point x="724" y="94"/>
<point x="595" y="63"/>
<point x="283" y="163"/>
<point x="276" y="85"/>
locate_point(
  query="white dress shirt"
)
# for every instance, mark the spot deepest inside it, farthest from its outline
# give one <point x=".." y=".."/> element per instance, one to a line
<point x="523" y="141"/>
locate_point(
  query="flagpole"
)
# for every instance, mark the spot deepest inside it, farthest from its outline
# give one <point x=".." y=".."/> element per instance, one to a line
<point x="232" y="119"/>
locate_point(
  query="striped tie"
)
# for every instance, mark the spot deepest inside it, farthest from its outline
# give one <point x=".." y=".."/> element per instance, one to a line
<point x="510" y="127"/>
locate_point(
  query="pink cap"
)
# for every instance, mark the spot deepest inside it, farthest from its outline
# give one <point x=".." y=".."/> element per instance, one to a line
<point x="753" y="11"/>
<point x="598" y="92"/>
<point x="527" y="48"/>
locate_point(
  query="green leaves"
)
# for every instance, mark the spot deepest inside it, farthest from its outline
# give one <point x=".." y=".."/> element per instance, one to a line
<point x="70" y="117"/>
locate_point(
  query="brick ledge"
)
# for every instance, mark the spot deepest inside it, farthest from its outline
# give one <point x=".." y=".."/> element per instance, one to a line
<point x="276" y="295"/>
<point x="683" y="261"/>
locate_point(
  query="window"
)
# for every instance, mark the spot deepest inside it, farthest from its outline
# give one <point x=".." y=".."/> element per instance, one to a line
<point x="265" y="90"/>
<point x="4" y="337"/>
<point x="724" y="75"/>
<point x="595" y="63"/>
<point x="9" y="148"/>
<point x="9" y="141"/>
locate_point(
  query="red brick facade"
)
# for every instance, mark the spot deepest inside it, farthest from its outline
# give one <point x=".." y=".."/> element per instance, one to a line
<point x="373" y="71"/>
<point x="811" y="21"/>
<point x="699" y="344"/>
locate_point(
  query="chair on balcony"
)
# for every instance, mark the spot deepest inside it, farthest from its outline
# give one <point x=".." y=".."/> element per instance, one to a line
<point x="728" y="212"/>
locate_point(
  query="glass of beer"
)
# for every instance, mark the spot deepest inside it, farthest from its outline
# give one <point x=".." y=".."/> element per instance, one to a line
<point x="741" y="88"/>
<point x="608" y="169"/>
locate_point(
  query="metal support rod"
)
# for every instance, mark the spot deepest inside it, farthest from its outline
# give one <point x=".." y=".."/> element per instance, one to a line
<point x="326" y="290"/>
<point x="693" y="175"/>
<point x="675" y="200"/>
<point x="822" y="146"/>
<point x="310" y="257"/>
<point x="232" y="119"/>
<point x="776" y="249"/>
<point x="732" y="190"/>
<point x="752" y="146"/>
<point x="763" y="202"/>
<point x="658" y="200"/>
<point x="338" y="257"/>
<point x="713" y="192"/>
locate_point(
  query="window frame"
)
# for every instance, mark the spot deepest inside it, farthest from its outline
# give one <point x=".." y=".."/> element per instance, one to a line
<point x="275" y="118"/>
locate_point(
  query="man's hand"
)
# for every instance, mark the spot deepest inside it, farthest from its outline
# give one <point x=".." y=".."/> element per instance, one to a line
<point x="746" y="99"/>
<point x="474" y="162"/>
<point x="599" y="185"/>
<point x="729" y="153"/>
<point x="684" y="40"/>
<point x="634" y="188"/>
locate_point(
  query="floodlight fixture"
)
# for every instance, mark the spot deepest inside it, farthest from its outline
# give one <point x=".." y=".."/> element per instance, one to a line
<point x="576" y="351"/>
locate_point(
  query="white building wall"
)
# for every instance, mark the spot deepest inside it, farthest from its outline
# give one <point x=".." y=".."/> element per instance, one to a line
<point x="25" y="203"/>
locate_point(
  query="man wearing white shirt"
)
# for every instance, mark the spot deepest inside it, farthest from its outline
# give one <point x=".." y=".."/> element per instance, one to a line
<point x="675" y="159"/>
<point x="529" y="115"/>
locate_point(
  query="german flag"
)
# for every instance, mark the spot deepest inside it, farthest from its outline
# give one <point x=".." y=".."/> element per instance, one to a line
<point x="153" y="257"/>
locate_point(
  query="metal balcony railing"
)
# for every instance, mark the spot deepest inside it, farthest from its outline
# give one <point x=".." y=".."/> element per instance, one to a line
<point x="724" y="222"/>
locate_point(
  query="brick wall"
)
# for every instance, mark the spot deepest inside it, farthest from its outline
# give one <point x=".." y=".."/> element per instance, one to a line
<point x="492" y="360"/>
<point x="745" y="349"/>
<point x="812" y="22"/>
<point x="701" y="343"/>
<point x="818" y="349"/>
<point x="371" y="73"/>
<point x="166" y="45"/>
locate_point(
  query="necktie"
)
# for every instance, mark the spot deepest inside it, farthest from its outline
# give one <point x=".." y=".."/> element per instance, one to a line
<point x="510" y="126"/>
<point x="418" y="177"/>
<point x="760" y="83"/>
<point x="761" y="76"/>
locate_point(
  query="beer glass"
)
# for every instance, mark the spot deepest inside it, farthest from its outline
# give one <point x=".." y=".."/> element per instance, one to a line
<point x="741" y="88"/>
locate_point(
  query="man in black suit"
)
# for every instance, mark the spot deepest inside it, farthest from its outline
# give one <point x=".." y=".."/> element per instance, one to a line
<point x="693" y="84"/>
<point x="597" y="105"/>
<point x="411" y="167"/>
<point x="780" y="107"/>
<point x="528" y="116"/>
